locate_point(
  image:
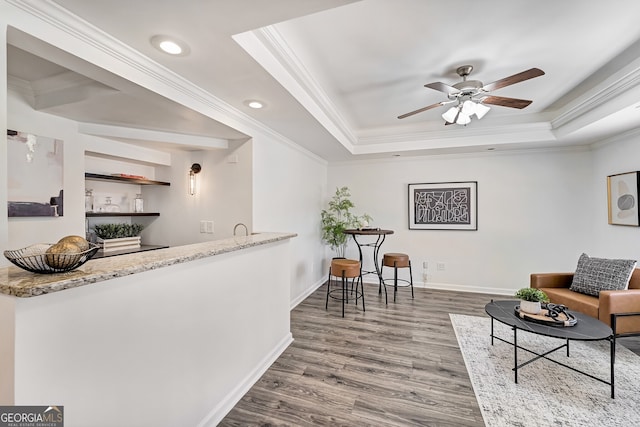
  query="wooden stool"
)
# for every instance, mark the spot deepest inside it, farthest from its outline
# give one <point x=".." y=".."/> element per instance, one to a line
<point x="396" y="261"/>
<point x="345" y="269"/>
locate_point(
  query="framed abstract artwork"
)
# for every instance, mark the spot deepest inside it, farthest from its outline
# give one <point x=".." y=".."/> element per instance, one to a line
<point x="622" y="199"/>
<point x="443" y="206"/>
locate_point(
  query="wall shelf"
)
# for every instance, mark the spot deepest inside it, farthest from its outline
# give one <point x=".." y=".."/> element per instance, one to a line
<point x="108" y="214"/>
<point x="122" y="179"/>
<point x="117" y="179"/>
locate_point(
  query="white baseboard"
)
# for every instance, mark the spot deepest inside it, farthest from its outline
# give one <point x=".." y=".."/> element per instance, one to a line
<point x="454" y="287"/>
<point x="464" y="288"/>
<point x="417" y="284"/>
<point x="222" y="408"/>
<point x="308" y="292"/>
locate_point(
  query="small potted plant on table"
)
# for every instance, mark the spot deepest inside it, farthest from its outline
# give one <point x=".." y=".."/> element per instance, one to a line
<point x="531" y="299"/>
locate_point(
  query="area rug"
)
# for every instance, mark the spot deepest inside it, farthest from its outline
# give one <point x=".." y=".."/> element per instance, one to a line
<point x="547" y="394"/>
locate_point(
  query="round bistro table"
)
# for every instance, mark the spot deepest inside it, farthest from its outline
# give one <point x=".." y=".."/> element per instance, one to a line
<point x="380" y="236"/>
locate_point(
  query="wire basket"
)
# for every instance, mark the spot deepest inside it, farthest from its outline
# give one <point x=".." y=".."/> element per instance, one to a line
<point x="35" y="259"/>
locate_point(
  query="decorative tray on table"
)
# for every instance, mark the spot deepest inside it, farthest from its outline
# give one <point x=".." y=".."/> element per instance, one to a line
<point x="550" y="315"/>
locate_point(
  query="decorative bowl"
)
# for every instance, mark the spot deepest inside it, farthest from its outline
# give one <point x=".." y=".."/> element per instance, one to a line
<point x="35" y="259"/>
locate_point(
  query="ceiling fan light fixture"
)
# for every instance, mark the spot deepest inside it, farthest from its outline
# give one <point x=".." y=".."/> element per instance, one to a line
<point x="468" y="95"/>
<point x="450" y="115"/>
<point x="469" y="107"/>
<point x="463" y="119"/>
<point x="481" y="110"/>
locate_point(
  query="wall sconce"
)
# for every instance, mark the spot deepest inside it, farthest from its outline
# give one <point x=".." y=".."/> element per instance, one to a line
<point x="195" y="168"/>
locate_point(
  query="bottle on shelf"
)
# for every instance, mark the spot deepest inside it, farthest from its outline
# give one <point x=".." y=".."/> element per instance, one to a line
<point x="138" y="204"/>
<point x="88" y="200"/>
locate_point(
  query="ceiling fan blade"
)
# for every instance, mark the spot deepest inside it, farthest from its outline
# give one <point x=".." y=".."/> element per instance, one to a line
<point x="506" y="102"/>
<point x="420" y="110"/>
<point x="516" y="78"/>
<point x="442" y="87"/>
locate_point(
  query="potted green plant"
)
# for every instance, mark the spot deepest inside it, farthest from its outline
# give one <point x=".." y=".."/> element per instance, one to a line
<point x="337" y="218"/>
<point x="114" y="237"/>
<point x="531" y="299"/>
<point x="117" y="231"/>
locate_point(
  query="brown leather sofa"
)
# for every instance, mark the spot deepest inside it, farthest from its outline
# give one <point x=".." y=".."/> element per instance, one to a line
<point x="624" y="305"/>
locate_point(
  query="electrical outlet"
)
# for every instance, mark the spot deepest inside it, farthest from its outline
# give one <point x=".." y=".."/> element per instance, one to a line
<point x="209" y="226"/>
<point x="440" y="266"/>
<point x="425" y="265"/>
<point x="203" y="226"/>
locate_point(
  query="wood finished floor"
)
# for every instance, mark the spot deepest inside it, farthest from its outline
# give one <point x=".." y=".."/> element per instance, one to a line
<point x="395" y="365"/>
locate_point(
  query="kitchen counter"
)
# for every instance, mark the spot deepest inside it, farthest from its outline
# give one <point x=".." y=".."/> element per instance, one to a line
<point x="188" y="329"/>
<point x="20" y="283"/>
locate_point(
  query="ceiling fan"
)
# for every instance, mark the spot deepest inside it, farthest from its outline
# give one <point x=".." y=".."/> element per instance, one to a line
<point x="470" y="96"/>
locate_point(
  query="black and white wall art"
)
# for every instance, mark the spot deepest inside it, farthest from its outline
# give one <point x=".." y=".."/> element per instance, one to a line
<point x="443" y="206"/>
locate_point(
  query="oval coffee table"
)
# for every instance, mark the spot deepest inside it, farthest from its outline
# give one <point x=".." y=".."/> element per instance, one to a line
<point x="587" y="329"/>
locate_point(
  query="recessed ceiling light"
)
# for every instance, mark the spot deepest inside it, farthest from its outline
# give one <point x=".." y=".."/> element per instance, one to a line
<point x="170" y="45"/>
<point x="252" y="103"/>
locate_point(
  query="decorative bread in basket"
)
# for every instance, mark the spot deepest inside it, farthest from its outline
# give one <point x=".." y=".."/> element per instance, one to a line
<point x="67" y="254"/>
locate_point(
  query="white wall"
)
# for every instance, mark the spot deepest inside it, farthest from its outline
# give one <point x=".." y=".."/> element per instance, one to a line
<point x="617" y="156"/>
<point x="223" y="195"/>
<point x="533" y="214"/>
<point x="232" y="188"/>
<point x="288" y="189"/>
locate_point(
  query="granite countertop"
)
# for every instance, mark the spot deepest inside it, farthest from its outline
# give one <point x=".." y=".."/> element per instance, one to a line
<point x="20" y="283"/>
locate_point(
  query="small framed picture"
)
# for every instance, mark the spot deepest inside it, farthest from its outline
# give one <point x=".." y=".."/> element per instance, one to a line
<point x="622" y="199"/>
<point x="443" y="206"/>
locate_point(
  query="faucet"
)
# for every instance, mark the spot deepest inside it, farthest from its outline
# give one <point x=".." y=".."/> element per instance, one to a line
<point x="246" y="230"/>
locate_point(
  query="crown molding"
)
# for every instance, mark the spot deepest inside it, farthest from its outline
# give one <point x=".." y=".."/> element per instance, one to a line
<point x="309" y="93"/>
<point x="519" y="133"/>
<point x="608" y="91"/>
<point x="430" y="155"/>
